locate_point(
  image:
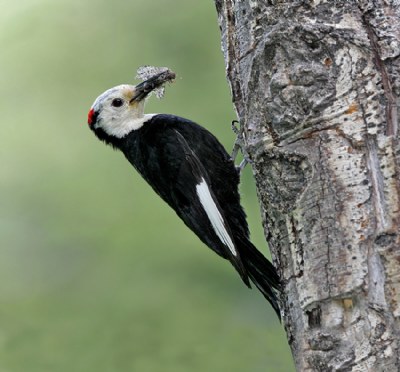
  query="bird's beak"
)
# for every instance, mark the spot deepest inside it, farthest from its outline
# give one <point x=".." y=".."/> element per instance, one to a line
<point x="143" y="89"/>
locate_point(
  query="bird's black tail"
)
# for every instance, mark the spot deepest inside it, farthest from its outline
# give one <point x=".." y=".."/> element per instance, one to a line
<point x="262" y="273"/>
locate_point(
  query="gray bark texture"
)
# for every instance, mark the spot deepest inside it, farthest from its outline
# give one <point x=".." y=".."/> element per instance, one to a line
<point x="316" y="87"/>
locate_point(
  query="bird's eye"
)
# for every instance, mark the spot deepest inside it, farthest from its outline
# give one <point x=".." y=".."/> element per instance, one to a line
<point x="117" y="102"/>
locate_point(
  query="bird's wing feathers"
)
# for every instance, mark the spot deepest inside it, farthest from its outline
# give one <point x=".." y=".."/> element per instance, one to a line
<point x="204" y="195"/>
<point x="214" y="215"/>
<point x="206" y="210"/>
<point x="165" y="155"/>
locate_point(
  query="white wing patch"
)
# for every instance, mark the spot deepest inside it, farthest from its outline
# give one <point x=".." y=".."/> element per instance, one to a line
<point x="217" y="222"/>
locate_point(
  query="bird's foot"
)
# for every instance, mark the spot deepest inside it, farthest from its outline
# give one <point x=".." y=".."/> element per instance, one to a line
<point x="241" y="166"/>
<point x="239" y="145"/>
<point x="238" y="142"/>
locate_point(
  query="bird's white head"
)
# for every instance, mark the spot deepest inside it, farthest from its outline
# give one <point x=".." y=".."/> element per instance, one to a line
<point x="119" y="110"/>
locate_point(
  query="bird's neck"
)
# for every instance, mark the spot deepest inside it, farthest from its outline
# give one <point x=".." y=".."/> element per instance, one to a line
<point x="115" y="136"/>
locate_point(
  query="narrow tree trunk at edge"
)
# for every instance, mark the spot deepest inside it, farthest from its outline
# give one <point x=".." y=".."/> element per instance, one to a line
<point x="316" y="87"/>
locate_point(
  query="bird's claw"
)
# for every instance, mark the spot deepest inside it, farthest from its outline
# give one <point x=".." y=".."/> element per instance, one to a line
<point x="241" y="166"/>
<point x="234" y="128"/>
<point x="238" y="145"/>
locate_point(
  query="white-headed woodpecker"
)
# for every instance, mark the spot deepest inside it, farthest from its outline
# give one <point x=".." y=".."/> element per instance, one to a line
<point x="188" y="168"/>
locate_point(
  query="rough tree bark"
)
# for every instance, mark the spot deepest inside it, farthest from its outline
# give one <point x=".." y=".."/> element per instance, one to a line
<point x="316" y="87"/>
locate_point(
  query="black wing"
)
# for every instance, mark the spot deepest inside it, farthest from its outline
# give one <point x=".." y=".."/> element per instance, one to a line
<point x="163" y="156"/>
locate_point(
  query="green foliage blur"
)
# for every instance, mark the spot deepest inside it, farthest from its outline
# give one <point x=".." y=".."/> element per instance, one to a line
<point x="96" y="272"/>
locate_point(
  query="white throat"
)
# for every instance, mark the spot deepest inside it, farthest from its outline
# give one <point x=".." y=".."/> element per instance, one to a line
<point x="120" y="128"/>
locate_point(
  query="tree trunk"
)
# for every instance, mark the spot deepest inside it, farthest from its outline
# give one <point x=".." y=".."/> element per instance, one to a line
<point x="316" y="87"/>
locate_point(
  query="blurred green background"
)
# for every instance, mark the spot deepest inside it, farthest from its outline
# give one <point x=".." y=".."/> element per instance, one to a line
<point x="96" y="272"/>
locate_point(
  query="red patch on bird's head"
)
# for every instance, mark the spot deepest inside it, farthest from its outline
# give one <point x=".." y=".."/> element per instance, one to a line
<point x="91" y="116"/>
